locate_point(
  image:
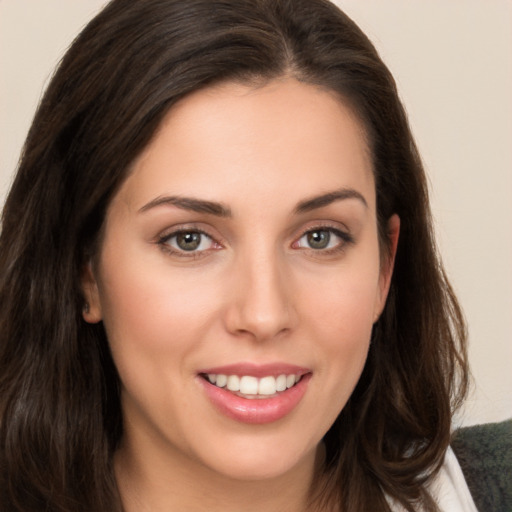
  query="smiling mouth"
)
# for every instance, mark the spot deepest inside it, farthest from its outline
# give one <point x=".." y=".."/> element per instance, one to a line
<point x="250" y="387"/>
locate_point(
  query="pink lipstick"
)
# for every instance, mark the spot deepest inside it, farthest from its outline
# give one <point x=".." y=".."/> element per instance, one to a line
<point x="255" y="394"/>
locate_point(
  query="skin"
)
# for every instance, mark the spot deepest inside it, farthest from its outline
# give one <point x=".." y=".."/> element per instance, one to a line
<point x="254" y="291"/>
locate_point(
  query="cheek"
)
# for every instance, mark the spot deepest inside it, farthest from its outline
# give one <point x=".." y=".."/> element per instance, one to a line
<point x="142" y="292"/>
<point x="154" y="317"/>
<point x="155" y="321"/>
<point x="340" y="320"/>
<point x="345" y="326"/>
<point x="346" y="302"/>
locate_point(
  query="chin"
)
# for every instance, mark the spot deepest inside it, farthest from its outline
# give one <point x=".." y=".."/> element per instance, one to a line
<point x="257" y="458"/>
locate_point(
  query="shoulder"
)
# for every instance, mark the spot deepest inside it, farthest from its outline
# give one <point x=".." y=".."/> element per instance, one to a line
<point x="484" y="453"/>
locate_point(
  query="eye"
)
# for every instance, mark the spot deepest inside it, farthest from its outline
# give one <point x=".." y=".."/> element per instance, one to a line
<point x="323" y="239"/>
<point x="188" y="241"/>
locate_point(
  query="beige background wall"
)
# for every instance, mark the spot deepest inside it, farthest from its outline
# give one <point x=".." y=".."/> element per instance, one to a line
<point x="453" y="63"/>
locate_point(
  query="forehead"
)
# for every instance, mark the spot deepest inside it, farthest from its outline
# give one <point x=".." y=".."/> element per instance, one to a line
<point x="234" y="139"/>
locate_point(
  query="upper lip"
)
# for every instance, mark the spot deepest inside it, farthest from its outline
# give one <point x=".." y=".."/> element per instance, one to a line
<point x="257" y="370"/>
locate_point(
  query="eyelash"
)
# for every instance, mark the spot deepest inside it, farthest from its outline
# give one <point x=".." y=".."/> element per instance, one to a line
<point x="345" y="239"/>
<point x="163" y="242"/>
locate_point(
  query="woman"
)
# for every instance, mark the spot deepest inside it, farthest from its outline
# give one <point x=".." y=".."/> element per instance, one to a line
<point x="219" y="280"/>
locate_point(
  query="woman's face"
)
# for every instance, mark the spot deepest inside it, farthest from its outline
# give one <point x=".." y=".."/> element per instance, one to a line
<point x="241" y="253"/>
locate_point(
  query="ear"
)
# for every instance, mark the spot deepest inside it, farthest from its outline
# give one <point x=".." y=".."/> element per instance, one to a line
<point x="387" y="265"/>
<point x="91" y="311"/>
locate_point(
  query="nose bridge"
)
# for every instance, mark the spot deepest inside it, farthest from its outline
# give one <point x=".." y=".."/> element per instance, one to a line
<point x="262" y="305"/>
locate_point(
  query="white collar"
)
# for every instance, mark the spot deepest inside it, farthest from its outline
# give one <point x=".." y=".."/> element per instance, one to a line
<point x="448" y="488"/>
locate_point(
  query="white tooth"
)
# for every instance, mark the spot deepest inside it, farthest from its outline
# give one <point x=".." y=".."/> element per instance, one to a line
<point x="297" y="378"/>
<point x="281" y="383"/>
<point x="212" y="378"/>
<point x="290" y="381"/>
<point x="248" y="385"/>
<point x="233" y="383"/>
<point x="221" y="380"/>
<point x="267" y="386"/>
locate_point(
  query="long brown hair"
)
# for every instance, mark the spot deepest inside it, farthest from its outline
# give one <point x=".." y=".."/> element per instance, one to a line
<point x="60" y="415"/>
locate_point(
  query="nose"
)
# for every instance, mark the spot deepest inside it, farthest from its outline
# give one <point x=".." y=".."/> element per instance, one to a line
<point x="261" y="305"/>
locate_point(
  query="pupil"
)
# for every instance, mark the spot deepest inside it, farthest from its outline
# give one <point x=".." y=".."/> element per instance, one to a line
<point x="188" y="241"/>
<point x="319" y="239"/>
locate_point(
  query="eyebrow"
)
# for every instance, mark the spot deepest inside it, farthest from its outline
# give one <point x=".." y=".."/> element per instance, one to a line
<point x="190" y="204"/>
<point x="219" y="210"/>
<point x="328" y="198"/>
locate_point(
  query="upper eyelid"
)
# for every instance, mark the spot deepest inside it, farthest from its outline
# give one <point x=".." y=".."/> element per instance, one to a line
<point x="184" y="228"/>
<point x="344" y="234"/>
<point x="332" y="229"/>
<point x="176" y="232"/>
<point x="325" y="225"/>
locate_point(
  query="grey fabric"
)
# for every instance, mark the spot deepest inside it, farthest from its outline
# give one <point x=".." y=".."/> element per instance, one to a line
<point x="484" y="453"/>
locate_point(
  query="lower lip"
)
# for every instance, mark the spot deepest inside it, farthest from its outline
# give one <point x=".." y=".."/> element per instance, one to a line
<point x="258" y="410"/>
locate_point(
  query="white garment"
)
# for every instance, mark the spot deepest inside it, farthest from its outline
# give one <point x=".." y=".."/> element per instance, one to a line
<point x="448" y="488"/>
